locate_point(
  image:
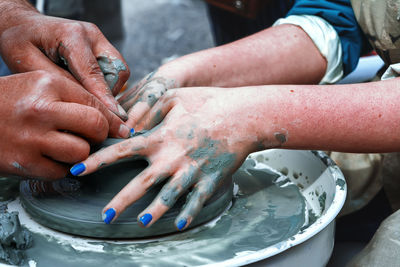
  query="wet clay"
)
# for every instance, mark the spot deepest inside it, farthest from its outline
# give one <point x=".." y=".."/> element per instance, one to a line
<point x="74" y="205"/>
<point x="9" y="188"/>
<point x="111" y="69"/>
<point x="262" y="214"/>
<point x="14" y="238"/>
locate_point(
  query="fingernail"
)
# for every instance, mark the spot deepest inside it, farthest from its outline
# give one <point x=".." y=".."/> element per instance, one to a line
<point x="145" y="219"/>
<point x="181" y="224"/>
<point x="132" y="132"/>
<point x="77" y="169"/>
<point x="124" y="131"/>
<point x="122" y="113"/>
<point x="109" y="215"/>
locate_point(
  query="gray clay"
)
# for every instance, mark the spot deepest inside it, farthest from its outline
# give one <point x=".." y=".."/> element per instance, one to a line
<point x="74" y="205"/>
<point x="9" y="188"/>
<point x="14" y="239"/>
<point x="262" y="214"/>
<point x="111" y="69"/>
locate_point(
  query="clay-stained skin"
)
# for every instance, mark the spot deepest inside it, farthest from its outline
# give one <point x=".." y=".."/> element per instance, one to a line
<point x="169" y="194"/>
<point x="204" y="133"/>
<point x="211" y="163"/>
<point x="18" y="166"/>
<point x="141" y="98"/>
<point x="149" y="90"/>
<point x="281" y="136"/>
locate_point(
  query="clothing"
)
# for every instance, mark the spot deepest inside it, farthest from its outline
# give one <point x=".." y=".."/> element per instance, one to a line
<point x="228" y="27"/>
<point x="384" y="248"/>
<point x="363" y="173"/>
<point x="340" y="15"/>
<point x="325" y="39"/>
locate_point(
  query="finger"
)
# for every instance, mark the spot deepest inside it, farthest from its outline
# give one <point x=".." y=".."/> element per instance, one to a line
<point x="129" y="97"/>
<point x="136" y="113"/>
<point x="30" y="58"/>
<point x="111" y="62"/>
<point x="201" y="192"/>
<point x="76" y="94"/>
<point x="46" y="169"/>
<point x="167" y="197"/>
<point x="84" y="67"/>
<point x="64" y="147"/>
<point x="155" y="115"/>
<point x="132" y="192"/>
<point x="82" y="120"/>
<point x="136" y="146"/>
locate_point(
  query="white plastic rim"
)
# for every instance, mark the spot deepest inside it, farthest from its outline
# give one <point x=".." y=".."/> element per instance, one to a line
<point x="321" y="223"/>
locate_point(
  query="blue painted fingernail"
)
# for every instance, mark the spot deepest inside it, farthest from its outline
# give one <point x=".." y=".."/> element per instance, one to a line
<point x="145" y="219"/>
<point x="181" y="224"/>
<point x="131" y="132"/>
<point x="109" y="215"/>
<point x="78" y="169"/>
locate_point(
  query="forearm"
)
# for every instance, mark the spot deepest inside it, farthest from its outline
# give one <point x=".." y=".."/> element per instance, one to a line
<point x="12" y="12"/>
<point x="350" y="118"/>
<point x="279" y="55"/>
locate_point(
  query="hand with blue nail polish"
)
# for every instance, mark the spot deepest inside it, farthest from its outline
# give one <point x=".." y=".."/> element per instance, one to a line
<point x="77" y="169"/>
<point x="145" y="219"/>
<point x="181" y="224"/>
<point x="140" y="98"/>
<point x="189" y="148"/>
<point x="109" y="215"/>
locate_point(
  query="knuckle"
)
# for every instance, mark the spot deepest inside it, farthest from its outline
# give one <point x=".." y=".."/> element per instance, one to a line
<point x="91" y="27"/>
<point x="46" y="80"/>
<point x="92" y="71"/>
<point x="80" y="152"/>
<point x="93" y="102"/>
<point x="121" y="149"/>
<point x="169" y="94"/>
<point x="6" y="39"/>
<point x="97" y="121"/>
<point x="74" y="28"/>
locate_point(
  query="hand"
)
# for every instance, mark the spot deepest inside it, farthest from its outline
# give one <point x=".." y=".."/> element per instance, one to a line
<point x="45" y="121"/>
<point x="38" y="42"/>
<point x="141" y="98"/>
<point x="200" y="141"/>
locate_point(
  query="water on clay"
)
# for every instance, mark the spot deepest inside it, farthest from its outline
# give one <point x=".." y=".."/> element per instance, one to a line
<point x="74" y="205"/>
<point x="263" y="213"/>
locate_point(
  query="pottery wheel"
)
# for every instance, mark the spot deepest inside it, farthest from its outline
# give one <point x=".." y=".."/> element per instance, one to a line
<point x="74" y="205"/>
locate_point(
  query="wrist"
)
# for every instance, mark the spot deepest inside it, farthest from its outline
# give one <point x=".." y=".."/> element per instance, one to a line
<point x="175" y="71"/>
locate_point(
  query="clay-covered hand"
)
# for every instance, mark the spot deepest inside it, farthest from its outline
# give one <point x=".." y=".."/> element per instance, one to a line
<point x="141" y="98"/>
<point x="46" y="123"/>
<point x="195" y="144"/>
<point x="73" y="49"/>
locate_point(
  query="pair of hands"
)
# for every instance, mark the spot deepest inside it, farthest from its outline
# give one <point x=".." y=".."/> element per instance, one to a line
<point x="197" y="137"/>
<point x="62" y="101"/>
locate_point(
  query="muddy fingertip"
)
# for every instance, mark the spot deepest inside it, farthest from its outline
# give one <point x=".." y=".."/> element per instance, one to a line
<point x="108" y="215"/>
<point x="145" y="219"/>
<point x="181" y="224"/>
